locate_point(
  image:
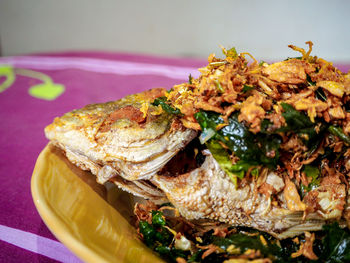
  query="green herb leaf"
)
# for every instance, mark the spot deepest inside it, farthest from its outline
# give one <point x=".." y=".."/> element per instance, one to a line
<point x="336" y="244"/>
<point x="295" y="120"/>
<point x="251" y="148"/>
<point x="196" y="257"/>
<point x="332" y="244"/>
<point x="245" y="242"/>
<point x="247" y="88"/>
<point x="170" y="253"/>
<point x="247" y="146"/>
<point x="190" y="79"/>
<point x="165" y="106"/>
<point x="148" y="232"/>
<point x="320" y="95"/>
<point x="232" y="53"/>
<point x="223" y="158"/>
<point x="255" y="172"/>
<point x="338" y="131"/>
<point x="312" y="172"/>
<point x="300" y="123"/>
<point x="158" y="218"/>
<point x="208" y="120"/>
<point x="261" y="63"/>
<point x="309" y="81"/>
<point x="289" y="58"/>
<point x="218" y="85"/>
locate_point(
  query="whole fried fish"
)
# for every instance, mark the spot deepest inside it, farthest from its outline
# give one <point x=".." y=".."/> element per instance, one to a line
<point x="130" y="142"/>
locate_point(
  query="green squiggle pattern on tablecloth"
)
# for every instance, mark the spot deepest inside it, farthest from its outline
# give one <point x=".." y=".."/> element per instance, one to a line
<point x="7" y="72"/>
<point x="48" y="90"/>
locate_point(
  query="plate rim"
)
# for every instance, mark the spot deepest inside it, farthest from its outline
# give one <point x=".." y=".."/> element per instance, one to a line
<point x="61" y="232"/>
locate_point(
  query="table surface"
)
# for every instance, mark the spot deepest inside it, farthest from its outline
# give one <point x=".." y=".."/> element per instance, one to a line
<point x="87" y="77"/>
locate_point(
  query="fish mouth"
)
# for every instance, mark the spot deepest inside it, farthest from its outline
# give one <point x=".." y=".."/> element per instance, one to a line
<point x="185" y="161"/>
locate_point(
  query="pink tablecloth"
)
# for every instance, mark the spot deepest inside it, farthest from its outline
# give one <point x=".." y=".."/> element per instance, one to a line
<point x="88" y="78"/>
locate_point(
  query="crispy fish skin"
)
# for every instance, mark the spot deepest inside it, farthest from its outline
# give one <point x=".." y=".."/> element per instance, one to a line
<point x="207" y="192"/>
<point x="120" y="138"/>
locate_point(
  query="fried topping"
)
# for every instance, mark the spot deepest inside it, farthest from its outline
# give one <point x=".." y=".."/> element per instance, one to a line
<point x="288" y="117"/>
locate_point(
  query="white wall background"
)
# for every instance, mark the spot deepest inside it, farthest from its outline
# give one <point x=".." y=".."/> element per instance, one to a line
<point x="176" y="27"/>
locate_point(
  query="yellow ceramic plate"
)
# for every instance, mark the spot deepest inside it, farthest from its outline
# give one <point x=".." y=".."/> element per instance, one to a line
<point x="79" y="212"/>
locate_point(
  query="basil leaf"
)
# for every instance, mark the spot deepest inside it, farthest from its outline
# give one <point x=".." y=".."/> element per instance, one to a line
<point x="221" y="155"/>
<point x="251" y="149"/>
<point x="166" y="107"/>
<point x="313" y="172"/>
<point x="295" y="119"/>
<point x="336" y="244"/>
<point x="300" y="123"/>
<point x="231" y="53"/>
<point x="157" y="218"/>
<point x="247" y="88"/>
<point x="148" y="232"/>
<point x="338" y="131"/>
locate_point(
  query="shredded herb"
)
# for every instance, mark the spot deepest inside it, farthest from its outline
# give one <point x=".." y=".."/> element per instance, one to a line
<point x="217" y="63"/>
<point x="309" y="81"/>
<point x="320" y="95"/>
<point x="218" y="85"/>
<point x="289" y="58"/>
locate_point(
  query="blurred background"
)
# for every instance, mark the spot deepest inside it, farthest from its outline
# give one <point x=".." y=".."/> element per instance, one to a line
<point x="182" y="28"/>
